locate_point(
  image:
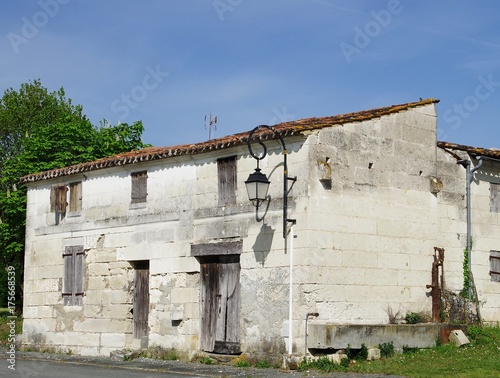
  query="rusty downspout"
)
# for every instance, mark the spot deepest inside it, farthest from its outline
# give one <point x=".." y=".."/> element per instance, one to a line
<point x="470" y="177"/>
<point x="305" y="341"/>
<point x="435" y="287"/>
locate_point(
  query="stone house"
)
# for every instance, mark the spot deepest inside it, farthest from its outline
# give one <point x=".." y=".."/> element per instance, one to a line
<point x="162" y="246"/>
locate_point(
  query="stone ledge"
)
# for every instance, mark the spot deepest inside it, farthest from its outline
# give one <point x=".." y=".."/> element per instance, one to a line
<point x="339" y="336"/>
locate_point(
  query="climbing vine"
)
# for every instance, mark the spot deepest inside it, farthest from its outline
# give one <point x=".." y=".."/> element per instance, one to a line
<point x="467" y="280"/>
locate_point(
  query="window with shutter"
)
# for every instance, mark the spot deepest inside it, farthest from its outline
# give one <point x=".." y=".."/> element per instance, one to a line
<point x="58" y="201"/>
<point x="75" y="196"/>
<point x="494" y="198"/>
<point x="73" y="275"/>
<point x="226" y="172"/>
<point x="139" y="186"/>
<point x="495" y="266"/>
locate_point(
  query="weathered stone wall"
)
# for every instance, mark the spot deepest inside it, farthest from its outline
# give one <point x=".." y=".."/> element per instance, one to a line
<point x="367" y="224"/>
<point x="369" y="238"/>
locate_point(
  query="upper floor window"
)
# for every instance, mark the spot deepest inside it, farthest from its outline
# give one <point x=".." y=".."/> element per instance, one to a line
<point x="139" y="186"/>
<point x="75" y="196"/>
<point x="494" y="198"/>
<point x="495" y="266"/>
<point x="59" y="199"/>
<point x="226" y="173"/>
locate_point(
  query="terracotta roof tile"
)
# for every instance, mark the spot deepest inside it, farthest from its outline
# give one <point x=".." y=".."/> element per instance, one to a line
<point x="284" y="129"/>
<point x="475" y="151"/>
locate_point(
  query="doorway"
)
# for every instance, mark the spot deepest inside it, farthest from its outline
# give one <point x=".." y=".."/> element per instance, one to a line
<point x="220" y="303"/>
<point x="141" y="299"/>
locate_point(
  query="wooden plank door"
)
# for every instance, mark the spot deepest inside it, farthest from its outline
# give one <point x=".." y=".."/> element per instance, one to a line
<point x="220" y="304"/>
<point x="141" y="299"/>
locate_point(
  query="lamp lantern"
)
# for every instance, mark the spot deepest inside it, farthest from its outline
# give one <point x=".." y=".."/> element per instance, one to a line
<point x="257" y="186"/>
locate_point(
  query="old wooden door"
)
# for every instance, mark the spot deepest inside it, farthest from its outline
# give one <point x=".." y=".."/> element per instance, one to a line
<point x="220" y="303"/>
<point x="141" y="299"/>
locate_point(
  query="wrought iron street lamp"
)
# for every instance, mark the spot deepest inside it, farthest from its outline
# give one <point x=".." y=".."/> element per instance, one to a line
<point x="258" y="184"/>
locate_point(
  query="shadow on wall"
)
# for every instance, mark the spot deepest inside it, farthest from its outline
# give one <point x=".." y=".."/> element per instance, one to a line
<point x="263" y="242"/>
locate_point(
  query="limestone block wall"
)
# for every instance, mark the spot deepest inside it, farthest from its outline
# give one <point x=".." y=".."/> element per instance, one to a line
<point x="366" y="235"/>
<point x="486" y="237"/>
<point x="102" y="324"/>
<point x="485" y="228"/>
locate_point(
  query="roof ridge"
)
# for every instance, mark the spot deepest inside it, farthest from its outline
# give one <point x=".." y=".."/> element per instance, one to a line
<point x="284" y="129"/>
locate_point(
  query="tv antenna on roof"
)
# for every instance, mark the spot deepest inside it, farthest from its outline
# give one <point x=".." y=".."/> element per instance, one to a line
<point x="210" y="123"/>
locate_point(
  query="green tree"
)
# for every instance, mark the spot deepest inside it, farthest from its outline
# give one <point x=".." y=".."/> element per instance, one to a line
<point x="42" y="130"/>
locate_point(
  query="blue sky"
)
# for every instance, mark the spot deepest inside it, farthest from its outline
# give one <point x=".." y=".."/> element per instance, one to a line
<point x="251" y="62"/>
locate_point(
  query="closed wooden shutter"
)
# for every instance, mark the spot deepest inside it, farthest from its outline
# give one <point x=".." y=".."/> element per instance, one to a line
<point x="73" y="275"/>
<point x="227" y="180"/>
<point x="75" y="196"/>
<point x="139" y="186"/>
<point x="58" y="198"/>
<point x="141" y="299"/>
<point x="495" y="266"/>
<point x="494" y="198"/>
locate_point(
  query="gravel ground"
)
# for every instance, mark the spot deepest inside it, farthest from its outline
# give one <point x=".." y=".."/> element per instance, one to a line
<point x="215" y="370"/>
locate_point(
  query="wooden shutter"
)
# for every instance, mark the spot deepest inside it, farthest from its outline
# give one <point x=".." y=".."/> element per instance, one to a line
<point x="58" y="198"/>
<point x="73" y="275"/>
<point x="75" y="196"/>
<point x="494" y="198"/>
<point x="495" y="266"/>
<point x="141" y="299"/>
<point x="139" y="186"/>
<point x="220" y="303"/>
<point x="69" y="276"/>
<point x="227" y="180"/>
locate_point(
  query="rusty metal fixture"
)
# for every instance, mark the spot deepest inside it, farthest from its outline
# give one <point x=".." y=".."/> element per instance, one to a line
<point x="437" y="286"/>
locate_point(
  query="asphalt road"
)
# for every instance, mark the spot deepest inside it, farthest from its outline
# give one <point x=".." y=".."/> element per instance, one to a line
<point x="66" y="369"/>
<point x="44" y="365"/>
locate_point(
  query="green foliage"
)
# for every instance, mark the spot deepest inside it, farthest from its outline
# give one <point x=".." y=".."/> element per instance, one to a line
<point x="42" y="130"/>
<point x="415" y="318"/>
<point x="323" y="364"/>
<point x="407" y="349"/>
<point x="484" y="335"/>
<point x="206" y="361"/>
<point x="5" y="327"/>
<point x="357" y="354"/>
<point x="477" y="359"/>
<point x="263" y="364"/>
<point x="363" y="353"/>
<point x="386" y="349"/>
<point x="242" y="363"/>
<point x="467" y="282"/>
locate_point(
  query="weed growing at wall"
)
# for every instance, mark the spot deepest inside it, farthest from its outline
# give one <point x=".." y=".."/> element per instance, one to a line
<point x="386" y="349"/>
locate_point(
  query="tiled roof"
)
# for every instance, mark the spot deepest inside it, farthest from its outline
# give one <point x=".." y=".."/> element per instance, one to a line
<point x="474" y="151"/>
<point x="283" y="129"/>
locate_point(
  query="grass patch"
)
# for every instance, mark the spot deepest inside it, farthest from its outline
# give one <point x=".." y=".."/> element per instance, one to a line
<point x="242" y="364"/>
<point x="6" y="324"/>
<point x="262" y="364"/>
<point x="323" y="364"/>
<point x="478" y="359"/>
